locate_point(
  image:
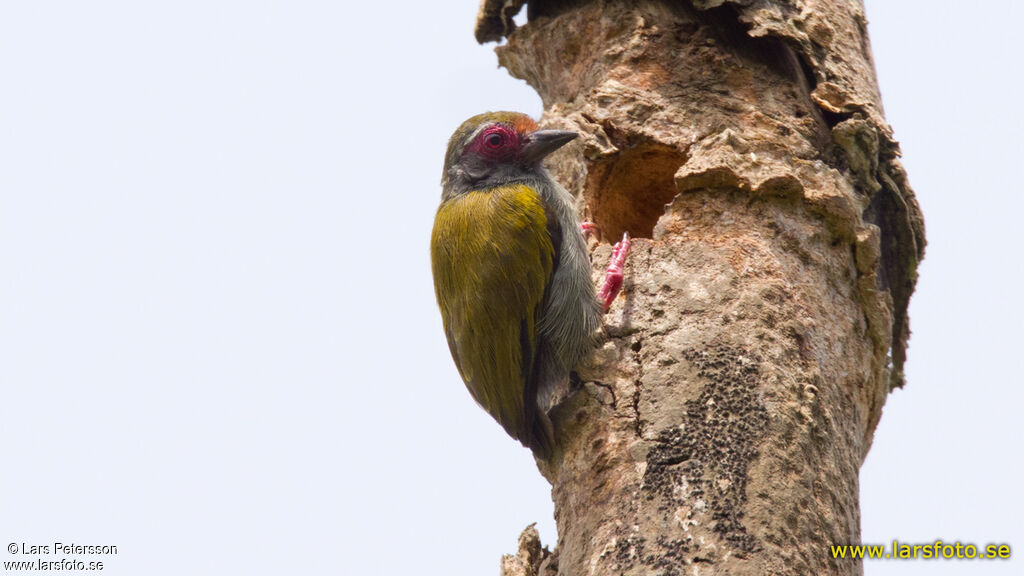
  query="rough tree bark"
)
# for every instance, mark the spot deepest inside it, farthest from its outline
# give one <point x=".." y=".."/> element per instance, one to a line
<point x="722" y="424"/>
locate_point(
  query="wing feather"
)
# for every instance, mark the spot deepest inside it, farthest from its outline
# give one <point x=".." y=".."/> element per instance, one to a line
<point x="492" y="258"/>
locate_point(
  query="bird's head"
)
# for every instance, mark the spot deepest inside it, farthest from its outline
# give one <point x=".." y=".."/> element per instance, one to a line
<point x="496" y="148"/>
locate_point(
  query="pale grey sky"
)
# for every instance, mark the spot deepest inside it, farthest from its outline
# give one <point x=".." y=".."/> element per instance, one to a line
<point x="219" y="348"/>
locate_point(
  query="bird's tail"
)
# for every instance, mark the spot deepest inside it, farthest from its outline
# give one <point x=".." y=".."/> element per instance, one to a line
<point x="542" y="437"/>
<point x="540" y="430"/>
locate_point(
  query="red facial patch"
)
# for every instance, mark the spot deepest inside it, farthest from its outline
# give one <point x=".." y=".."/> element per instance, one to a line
<point x="497" y="142"/>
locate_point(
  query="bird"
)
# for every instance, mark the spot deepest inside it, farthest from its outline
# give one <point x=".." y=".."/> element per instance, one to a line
<point x="511" y="272"/>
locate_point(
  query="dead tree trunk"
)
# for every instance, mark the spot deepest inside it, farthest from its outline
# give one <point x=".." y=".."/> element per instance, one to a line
<point x="722" y="424"/>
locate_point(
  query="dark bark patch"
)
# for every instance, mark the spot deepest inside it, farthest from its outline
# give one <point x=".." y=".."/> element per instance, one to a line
<point x="708" y="456"/>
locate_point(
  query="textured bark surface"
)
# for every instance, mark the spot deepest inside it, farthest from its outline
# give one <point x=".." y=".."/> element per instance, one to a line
<point x="721" y="426"/>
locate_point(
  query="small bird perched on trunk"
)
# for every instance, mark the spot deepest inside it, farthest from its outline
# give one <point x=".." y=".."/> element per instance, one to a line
<point x="512" y="272"/>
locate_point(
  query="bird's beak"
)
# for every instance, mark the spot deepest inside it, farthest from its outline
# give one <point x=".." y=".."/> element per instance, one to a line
<point x="543" y="142"/>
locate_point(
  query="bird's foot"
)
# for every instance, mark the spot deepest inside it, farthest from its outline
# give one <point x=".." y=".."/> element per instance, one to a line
<point x="613" y="276"/>
<point x="589" y="228"/>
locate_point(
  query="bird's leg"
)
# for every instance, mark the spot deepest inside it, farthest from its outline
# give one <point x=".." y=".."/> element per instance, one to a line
<point x="613" y="276"/>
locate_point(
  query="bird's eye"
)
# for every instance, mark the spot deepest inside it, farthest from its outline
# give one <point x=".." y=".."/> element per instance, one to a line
<point x="494" y="140"/>
<point x="496" y="143"/>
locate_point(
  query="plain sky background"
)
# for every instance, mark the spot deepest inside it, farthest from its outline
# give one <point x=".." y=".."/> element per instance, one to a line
<point x="219" y="347"/>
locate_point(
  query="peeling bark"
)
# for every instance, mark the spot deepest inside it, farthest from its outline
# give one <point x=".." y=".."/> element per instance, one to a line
<point x="721" y="426"/>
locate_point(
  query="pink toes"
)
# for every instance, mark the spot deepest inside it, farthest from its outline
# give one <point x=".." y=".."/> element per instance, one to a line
<point x="613" y="276"/>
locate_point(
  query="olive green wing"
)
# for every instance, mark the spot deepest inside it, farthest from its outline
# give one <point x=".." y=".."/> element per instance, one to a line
<point x="492" y="259"/>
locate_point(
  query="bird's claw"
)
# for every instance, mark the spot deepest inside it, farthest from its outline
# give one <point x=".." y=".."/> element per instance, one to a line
<point x="613" y="276"/>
